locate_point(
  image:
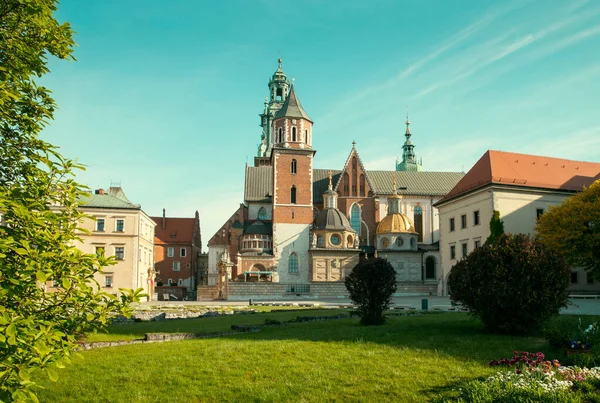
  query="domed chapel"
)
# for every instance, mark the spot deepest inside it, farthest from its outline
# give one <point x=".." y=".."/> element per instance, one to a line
<point x="300" y="230"/>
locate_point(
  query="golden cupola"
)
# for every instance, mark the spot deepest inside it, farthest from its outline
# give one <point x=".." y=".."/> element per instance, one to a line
<point x="395" y="221"/>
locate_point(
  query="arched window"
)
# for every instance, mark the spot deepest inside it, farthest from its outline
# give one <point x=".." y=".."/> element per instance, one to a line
<point x="293" y="263"/>
<point x="355" y="218"/>
<point x="294" y="166"/>
<point x="306" y="136"/>
<point x="354" y="176"/>
<point x="419" y="222"/>
<point x="346" y="184"/>
<point x="262" y="214"/>
<point x="430" y="268"/>
<point x="293" y="133"/>
<point x="362" y="185"/>
<point x="280" y="132"/>
<point x="293" y="195"/>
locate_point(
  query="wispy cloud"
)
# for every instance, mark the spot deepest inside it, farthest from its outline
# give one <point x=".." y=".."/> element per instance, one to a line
<point x="493" y="55"/>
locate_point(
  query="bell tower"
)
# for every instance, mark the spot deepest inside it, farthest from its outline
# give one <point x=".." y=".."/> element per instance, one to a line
<point x="279" y="87"/>
<point x="292" y="169"/>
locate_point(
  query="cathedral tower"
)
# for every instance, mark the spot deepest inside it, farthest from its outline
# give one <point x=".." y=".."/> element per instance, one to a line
<point x="292" y="170"/>
<point x="279" y="87"/>
<point x="409" y="159"/>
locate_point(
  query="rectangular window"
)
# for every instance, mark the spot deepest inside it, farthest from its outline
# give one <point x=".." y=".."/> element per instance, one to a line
<point x="108" y="281"/>
<point x="182" y="252"/>
<point x="590" y="278"/>
<point x="100" y="224"/>
<point x="476" y="217"/>
<point x="574" y="277"/>
<point x="120" y="225"/>
<point x="452" y="224"/>
<point x="99" y="251"/>
<point x="452" y="252"/>
<point x="176" y="266"/>
<point x="539" y="212"/>
<point x="477" y="243"/>
<point x="180" y="282"/>
<point x="465" y="251"/>
<point x="463" y="221"/>
<point x="170" y="252"/>
<point x="120" y="252"/>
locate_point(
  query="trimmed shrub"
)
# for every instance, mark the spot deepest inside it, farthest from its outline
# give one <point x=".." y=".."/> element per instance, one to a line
<point x="513" y="285"/>
<point x="371" y="285"/>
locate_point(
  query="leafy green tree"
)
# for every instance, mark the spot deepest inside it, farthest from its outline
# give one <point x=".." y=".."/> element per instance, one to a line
<point x="573" y="229"/>
<point x="513" y="285"/>
<point x="39" y="202"/>
<point x="496" y="227"/>
<point x="371" y="285"/>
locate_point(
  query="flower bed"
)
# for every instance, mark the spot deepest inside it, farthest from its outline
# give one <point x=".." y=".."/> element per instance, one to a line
<point x="532" y="378"/>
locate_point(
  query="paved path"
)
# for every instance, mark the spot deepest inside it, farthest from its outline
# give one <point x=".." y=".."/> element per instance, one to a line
<point x="576" y="306"/>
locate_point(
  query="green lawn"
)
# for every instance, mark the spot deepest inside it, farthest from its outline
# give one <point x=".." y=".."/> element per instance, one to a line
<point x="410" y="359"/>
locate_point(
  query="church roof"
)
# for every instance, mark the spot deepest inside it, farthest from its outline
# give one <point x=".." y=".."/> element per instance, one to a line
<point x="292" y="107"/>
<point x="416" y="183"/>
<point x="258" y="183"/>
<point x="258" y="227"/>
<point x="528" y="171"/>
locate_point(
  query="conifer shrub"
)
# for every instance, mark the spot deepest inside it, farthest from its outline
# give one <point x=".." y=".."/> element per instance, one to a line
<point x="513" y="285"/>
<point x="371" y="285"/>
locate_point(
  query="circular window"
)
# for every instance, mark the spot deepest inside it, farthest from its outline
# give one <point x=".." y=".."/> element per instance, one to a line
<point x="335" y="239"/>
<point x="399" y="241"/>
<point x="385" y="242"/>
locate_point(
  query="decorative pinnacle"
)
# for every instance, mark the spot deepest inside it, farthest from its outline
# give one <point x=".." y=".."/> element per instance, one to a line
<point x="395" y="191"/>
<point x="353" y="144"/>
<point x="330" y="179"/>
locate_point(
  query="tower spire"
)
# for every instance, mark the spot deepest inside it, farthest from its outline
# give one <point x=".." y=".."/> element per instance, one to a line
<point x="409" y="159"/>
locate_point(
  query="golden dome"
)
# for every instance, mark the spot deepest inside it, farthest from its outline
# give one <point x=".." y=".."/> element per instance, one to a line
<point x="394" y="223"/>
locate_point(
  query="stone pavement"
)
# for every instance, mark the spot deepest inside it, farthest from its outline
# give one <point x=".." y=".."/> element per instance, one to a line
<point x="577" y="306"/>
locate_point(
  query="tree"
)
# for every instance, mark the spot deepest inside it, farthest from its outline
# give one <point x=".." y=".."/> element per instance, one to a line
<point x="39" y="202"/>
<point x="513" y="285"/>
<point x="371" y="285"/>
<point x="496" y="227"/>
<point x="573" y="229"/>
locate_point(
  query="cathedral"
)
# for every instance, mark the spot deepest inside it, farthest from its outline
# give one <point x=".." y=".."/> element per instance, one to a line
<point x="301" y="229"/>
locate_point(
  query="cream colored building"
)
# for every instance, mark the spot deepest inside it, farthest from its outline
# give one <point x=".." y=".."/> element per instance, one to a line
<point x="121" y="229"/>
<point x="521" y="187"/>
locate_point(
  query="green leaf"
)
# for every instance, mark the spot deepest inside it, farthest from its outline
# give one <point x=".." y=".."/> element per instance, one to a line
<point x="41" y="276"/>
<point x="66" y="283"/>
<point x="11" y="330"/>
<point x="52" y="374"/>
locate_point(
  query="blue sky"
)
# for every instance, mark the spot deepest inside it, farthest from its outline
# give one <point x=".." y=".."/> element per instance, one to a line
<point x="165" y="95"/>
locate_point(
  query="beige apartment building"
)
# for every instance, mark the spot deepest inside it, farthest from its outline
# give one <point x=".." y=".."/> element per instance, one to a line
<point x="121" y="229"/>
<point x="521" y="187"/>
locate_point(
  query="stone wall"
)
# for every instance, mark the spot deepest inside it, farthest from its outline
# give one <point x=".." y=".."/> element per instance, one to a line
<point x="207" y="292"/>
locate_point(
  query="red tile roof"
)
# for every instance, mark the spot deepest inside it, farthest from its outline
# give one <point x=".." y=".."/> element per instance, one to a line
<point x="524" y="170"/>
<point x="181" y="228"/>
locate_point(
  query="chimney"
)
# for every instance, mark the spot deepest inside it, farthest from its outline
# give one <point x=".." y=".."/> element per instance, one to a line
<point x="164" y="220"/>
<point x="99" y="191"/>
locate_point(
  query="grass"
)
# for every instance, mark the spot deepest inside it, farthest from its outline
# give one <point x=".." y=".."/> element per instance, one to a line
<point x="138" y="330"/>
<point x="410" y="359"/>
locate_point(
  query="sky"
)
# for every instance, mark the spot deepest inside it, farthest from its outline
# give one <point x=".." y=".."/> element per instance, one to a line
<point x="164" y="96"/>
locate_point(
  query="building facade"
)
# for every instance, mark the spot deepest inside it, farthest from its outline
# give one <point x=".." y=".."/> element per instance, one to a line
<point x="177" y="252"/>
<point x="123" y="230"/>
<point x="285" y="231"/>
<point x="519" y="186"/>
